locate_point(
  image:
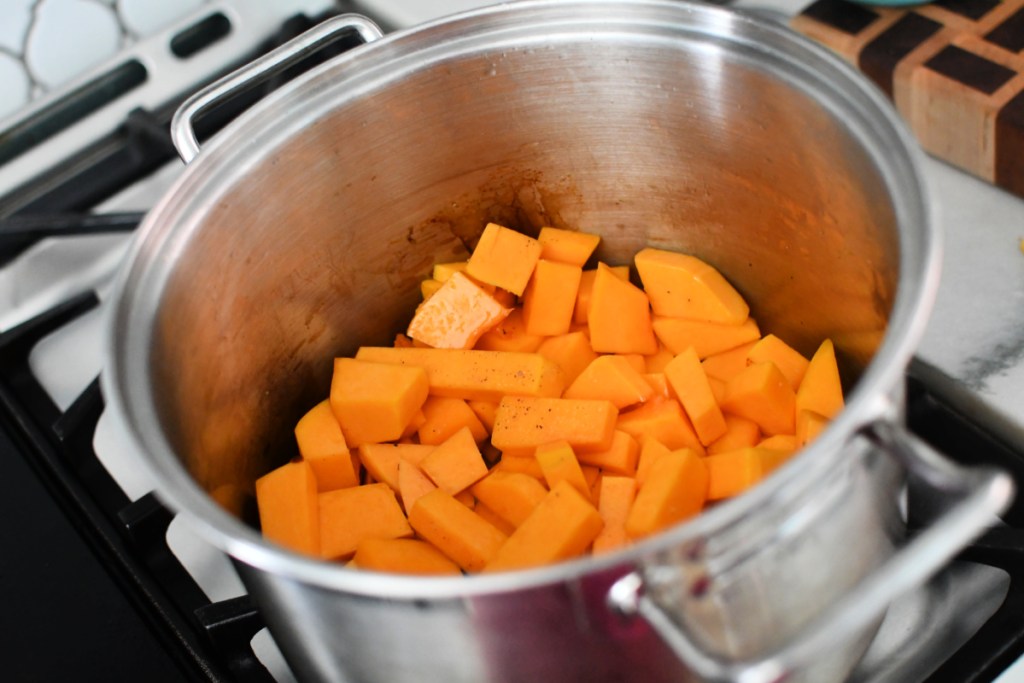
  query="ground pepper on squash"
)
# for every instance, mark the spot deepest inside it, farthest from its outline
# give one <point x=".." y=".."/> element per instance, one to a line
<point x="538" y="410"/>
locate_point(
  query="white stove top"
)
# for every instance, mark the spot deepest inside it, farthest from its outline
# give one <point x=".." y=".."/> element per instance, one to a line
<point x="975" y="340"/>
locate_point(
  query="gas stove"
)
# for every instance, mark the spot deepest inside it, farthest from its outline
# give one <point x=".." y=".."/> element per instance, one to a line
<point x="105" y="583"/>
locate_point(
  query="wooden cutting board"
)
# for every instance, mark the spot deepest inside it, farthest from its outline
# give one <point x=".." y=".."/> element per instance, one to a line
<point x="954" y="69"/>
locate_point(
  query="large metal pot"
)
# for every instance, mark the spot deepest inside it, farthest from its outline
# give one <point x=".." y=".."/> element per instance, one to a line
<point x="303" y="230"/>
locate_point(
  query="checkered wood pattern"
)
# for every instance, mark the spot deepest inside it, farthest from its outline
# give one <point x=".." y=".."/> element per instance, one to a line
<point x="953" y="68"/>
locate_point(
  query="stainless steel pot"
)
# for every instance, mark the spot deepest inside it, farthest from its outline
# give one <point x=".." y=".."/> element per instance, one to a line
<point x="302" y="231"/>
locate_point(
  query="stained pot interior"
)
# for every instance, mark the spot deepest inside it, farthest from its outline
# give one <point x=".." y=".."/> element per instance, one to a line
<point x="676" y="141"/>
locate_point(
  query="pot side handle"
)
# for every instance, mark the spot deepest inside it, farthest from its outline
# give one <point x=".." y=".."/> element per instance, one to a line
<point x="983" y="491"/>
<point x="260" y="70"/>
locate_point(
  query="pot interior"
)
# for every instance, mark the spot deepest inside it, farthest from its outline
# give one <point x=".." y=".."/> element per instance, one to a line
<point x="311" y="223"/>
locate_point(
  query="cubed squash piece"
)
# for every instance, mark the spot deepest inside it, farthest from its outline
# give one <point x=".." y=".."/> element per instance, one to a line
<point x="614" y="503"/>
<point x="348" y="516"/>
<point x="567" y="246"/>
<point x="675" y="490"/>
<point x="581" y="312"/>
<point x="455" y="464"/>
<point x="788" y="360"/>
<point x="510" y="335"/>
<point x="763" y="394"/>
<point x="733" y="472"/>
<point x="444" y="416"/>
<point x="663" y="420"/>
<point x="779" y="442"/>
<point x="686" y="377"/>
<point x="550" y="297"/>
<point x="510" y="495"/>
<point x="727" y="364"/>
<point x="561" y="527"/>
<point x="456" y="315"/>
<point x="820" y="390"/>
<point x="527" y="465"/>
<point x="402" y="556"/>
<point x="650" y="451"/>
<point x="684" y="286"/>
<point x="442" y="272"/>
<point x="739" y="433"/>
<point x="413" y="484"/>
<point x="428" y="288"/>
<point x="286" y="498"/>
<point x="523" y="423"/>
<point x="504" y="258"/>
<point x="374" y="402"/>
<point x="659" y="385"/>
<point x="572" y="352"/>
<point x="707" y="339"/>
<point x="809" y="425"/>
<point x="657" y="361"/>
<point x="558" y="463"/>
<point x="476" y="375"/>
<point x="619" y="318"/>
<point x="458" y="532"/>
<point x="619" y="458"/>
<point x="485" y="412"/>
<point x="612" y="378"/>
<point x="323" y="446"/>
<point x="493" y="518"/>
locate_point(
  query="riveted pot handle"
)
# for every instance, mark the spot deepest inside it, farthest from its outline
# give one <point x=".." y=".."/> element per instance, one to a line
<point x="260" y="70"/>
<point x="983" y="492"/>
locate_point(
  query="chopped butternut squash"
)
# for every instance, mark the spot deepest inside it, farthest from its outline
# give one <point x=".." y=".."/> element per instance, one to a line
<point x="788" y="360"/>
<point x="524" y="423"/>
<point x="456" y="315"/>
<point x="550" y="297"/>
<point x="510" y="335"/>
<point x="763" y="394"/>
<point x="348" y="516"/>
<point x="572" y="352"/>
<point x="619" y="458"/>
<point x="663" y="420"/>
<point x="733" y="472"/>
<point x="739" y="433"/>
<point x="511" y="495"/>
<point x="619" y="317"/>
<point x="455" y="464"/>
<point x="458" y="532"/>
<point x="580" y="314"/>
<point x="615" y="501"/>
<point x="288" y="507"/>
<point x="403" y="556"/>
<point x="504" y="258"/>
<point x="413" y="484"/>
<point x="707" y="339"/>
<point x="374" y="401"/>
<point x="323" y="446"/>
<point x="567" y="246"/>
<point x="686" y="377"/>
<point x="558" y="463"/>
<point x="820" y="390"/>
<point x="727" y="364"/>
<point x="683" y="286"/>
<point x="675" y="490"/>
<point x="612" y="378"/>
<point x="444" y="416"/>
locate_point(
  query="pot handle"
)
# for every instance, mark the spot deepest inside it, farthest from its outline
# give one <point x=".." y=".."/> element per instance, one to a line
<point x="985" y="493"/>
<point x="260" y="70"/>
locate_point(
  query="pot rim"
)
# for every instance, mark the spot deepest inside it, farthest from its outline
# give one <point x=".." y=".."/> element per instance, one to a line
<point x="870" y="400"/>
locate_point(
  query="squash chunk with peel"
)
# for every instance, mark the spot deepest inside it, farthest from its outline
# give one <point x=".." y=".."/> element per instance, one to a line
<point x="523" y="423"/>
<point x="612" y="378"/>
<point x="550" y="297"/>
<point x="567" y="246"/>
<point x="510" y="495"/>
<point x="684" y="286"/>
<point x="403" y="556"/>
<point x="444" y="416"/>
<point x="615" y="501"/>
<point x="456" y="315"/>
<point x="348" y="516"/>
<point x="561" y="527"/>
<point x="558" y="463"/>
<point x="686" y="377"/>
<point x="476" y="375"/>
<point x="504" y="258"/>
<point x="663" y="420"/>
<point x="374" y="402"/>
<point x="674" y="491"/>
<point x="788" y="360"/>
<point x="286" y="498"/>
<point x="619" y="458"/>
<point x="619" y="317"/>
<point x="323" y="446"/>
<point x="820" y="390"/>
<point x="455" y="464"/>
<point x="458" y="532"/>
<point x="707" y="339"/>
<point x="572" y="352"/>
<point x="762" y="393"/>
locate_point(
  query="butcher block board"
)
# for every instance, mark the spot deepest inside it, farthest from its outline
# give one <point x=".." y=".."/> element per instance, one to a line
<point x="954" y="70"/>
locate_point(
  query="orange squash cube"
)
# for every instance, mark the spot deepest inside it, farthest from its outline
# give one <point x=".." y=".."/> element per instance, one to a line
<point x="821" y="391"/>
<point x="567" y="246"/>
<point x="523" y="423"/>
<point x="663" y="420"/>
<point x="727" y="364"/>
<point x="402" y="556"/>
<point x="413" y="484"/>
<point x="683" y="286"/>
<point x="675" y="490"/>
<point x="510" y="335"/>
<point x="444" y="416"/>
<point x="456" y="315"/>
<point x="455" y="464"/>
<point x="323" y="446"/>
<point x="561" y="527"/>
<point x="572" y="352"/>
<point x="286" y="498"/>
<point x="458" y="532"/>
<point x="558" y="463"/>
<point x="550" y="297"/>
<point x="510" y="495"/>
<point x="763" y="394"/>
<point x="615" y="501"/>
<point x="504" y="258"/>
<point x="348" y="516"/>
<point x="707" y="339"/>
<point x="739" y="433"/>
<point x="581" y="312"/>
<point x="733" y="472"/>
<point x="788" y="360"/>
<point x="611" y="378"/>
<point x="687" y="379"/>
<point x="619" y="317"/>
<point x="619" y="458"/>
<point x="374" y="402"/>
